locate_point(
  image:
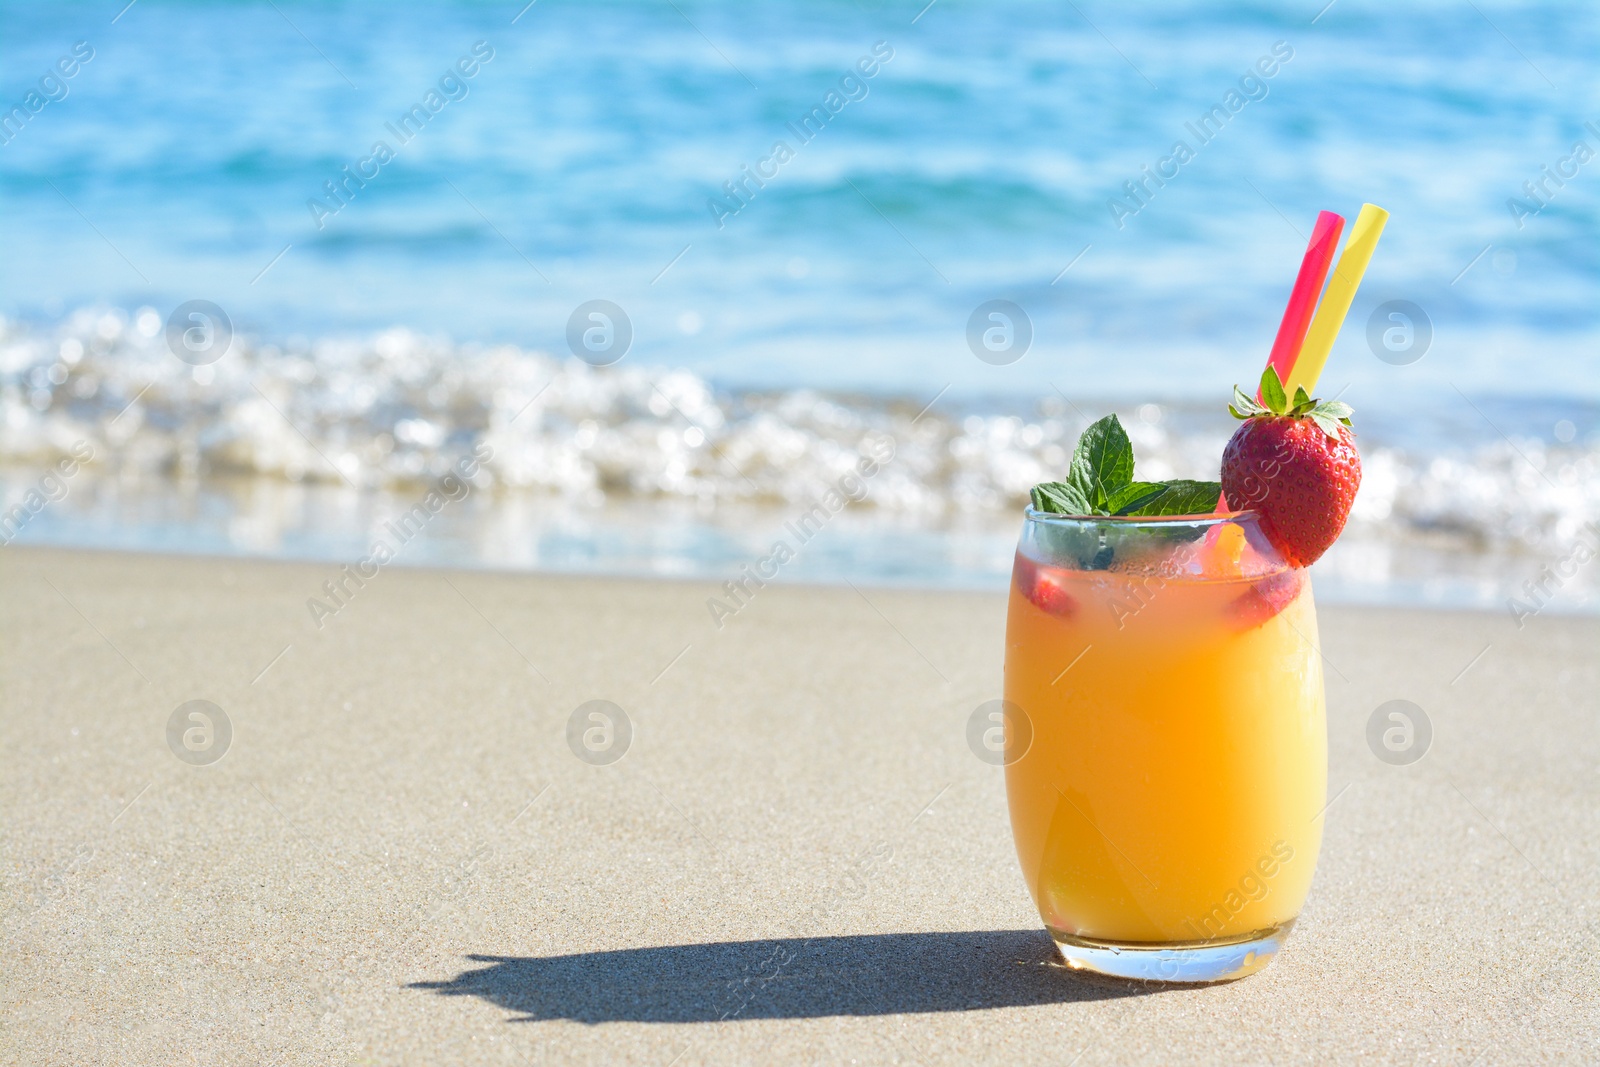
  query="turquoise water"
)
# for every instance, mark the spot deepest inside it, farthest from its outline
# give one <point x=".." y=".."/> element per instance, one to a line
<point x="981" y="159"/>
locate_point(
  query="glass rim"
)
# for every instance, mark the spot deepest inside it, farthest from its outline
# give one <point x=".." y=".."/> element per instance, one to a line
<point x="1051" y="518"/>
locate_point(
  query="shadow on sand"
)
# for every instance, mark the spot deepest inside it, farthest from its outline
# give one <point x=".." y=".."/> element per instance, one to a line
<point x="868" y="974"/>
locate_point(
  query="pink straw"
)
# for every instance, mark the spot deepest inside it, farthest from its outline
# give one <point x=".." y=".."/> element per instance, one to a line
<point x="1307" y="291"/>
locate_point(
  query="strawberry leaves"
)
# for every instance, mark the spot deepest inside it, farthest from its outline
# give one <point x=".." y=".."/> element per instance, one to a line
<point x="1100" y="482"/>
<point x="1329" y="415"/>
<point x="1272" y="393"/>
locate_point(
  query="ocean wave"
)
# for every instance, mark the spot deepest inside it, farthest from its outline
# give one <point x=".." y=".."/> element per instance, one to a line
<point x="397" y="408"/>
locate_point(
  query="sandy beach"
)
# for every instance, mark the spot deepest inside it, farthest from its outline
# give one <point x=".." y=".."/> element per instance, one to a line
<point x="399" y="858"/>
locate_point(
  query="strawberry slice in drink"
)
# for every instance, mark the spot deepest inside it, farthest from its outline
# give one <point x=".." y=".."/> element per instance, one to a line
<point x="1042" y="586"/>
<point x="1228" y="551"/>
<point x="1264" y="599"/>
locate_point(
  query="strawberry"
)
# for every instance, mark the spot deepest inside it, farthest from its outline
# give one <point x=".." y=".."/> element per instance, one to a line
<point x="1040" y="585"/>
<point x="1296" y="465"/>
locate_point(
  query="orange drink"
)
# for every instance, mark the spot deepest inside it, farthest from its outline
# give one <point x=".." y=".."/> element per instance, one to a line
<point x="1166" y="767"/>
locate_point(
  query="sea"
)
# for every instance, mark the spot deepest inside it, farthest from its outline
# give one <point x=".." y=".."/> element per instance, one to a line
<point x="660" y="274"/>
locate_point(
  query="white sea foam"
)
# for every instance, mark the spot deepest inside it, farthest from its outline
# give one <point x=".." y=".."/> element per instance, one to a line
<point x="395" y="409"/>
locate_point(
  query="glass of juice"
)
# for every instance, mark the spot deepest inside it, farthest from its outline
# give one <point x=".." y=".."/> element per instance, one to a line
<point x="1166" y="759"/>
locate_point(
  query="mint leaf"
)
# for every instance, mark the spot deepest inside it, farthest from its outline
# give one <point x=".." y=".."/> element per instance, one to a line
<point x="1060" y="498"/>
<point x="1183" y="497"/>
<point x="1134" y="495"/>
<point x="1102" y="463"/>
<point x="1272" y="394"/>
<point x="1100" y="482"/>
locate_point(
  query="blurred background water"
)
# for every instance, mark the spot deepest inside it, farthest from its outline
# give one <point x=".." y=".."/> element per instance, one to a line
<point x="384" y="330"/>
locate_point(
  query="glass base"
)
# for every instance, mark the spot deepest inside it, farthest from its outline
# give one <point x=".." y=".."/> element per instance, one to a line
<point x="1220" y="960"/>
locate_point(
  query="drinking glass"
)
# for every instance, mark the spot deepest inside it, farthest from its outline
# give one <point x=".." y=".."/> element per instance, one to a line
<point x="1165" y="742"/>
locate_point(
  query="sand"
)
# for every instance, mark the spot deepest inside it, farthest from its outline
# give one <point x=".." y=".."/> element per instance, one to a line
<point x="399" y="858"/>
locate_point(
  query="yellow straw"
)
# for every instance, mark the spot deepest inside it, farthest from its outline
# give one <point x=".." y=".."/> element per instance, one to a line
<point x="1336" y="301"/>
